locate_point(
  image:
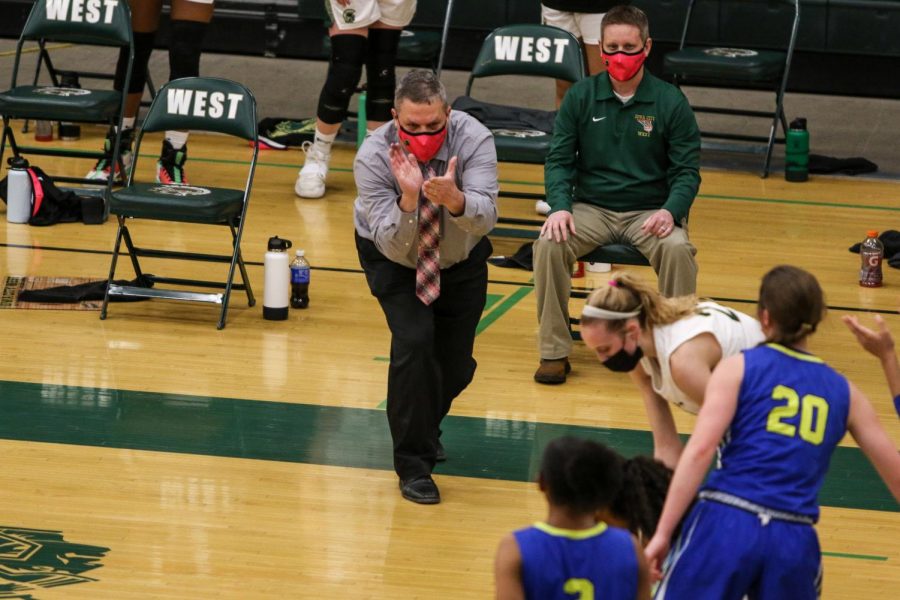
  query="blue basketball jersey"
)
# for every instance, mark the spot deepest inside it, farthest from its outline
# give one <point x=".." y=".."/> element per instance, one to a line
<point x="791" y="413"/>
<point x="564" y="564"/>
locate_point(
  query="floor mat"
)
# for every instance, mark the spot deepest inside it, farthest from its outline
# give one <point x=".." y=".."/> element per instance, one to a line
<point x="14" y="285"/>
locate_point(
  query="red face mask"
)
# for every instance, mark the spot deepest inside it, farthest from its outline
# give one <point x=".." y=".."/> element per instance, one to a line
<point x="622" y="66"/>
<point x="425" y="145"/>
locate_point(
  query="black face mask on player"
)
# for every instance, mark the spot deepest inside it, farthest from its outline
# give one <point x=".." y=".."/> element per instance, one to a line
<point x="623" y="361"/>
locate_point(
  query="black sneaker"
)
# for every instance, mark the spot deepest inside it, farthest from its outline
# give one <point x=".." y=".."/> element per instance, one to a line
<point x="102" y="168"/>
<point x="170" y="166"/>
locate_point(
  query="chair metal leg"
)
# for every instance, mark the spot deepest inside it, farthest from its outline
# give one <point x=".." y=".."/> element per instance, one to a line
<point x="251" y="300"/>
<point x="227" y="295"/>
<point x="6" y="128"/>
<point x="12" y="140"/>
<point x="235" y="258"/>
<point x="769" y="147"/>
<point x="112" y="267"/>
<point x="778" y="116"/>
<point x="132" y="253"/>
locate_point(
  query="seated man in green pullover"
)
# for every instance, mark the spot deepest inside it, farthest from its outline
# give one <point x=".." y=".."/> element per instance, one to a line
<point x="623" y="167"/>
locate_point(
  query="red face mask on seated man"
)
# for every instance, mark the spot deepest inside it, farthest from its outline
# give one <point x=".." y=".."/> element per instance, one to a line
<point x="622" y="65"/>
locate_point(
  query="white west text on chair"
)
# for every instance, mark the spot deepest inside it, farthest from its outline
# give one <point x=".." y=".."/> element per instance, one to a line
<point x="81" y="10"/>
<point x="529" y="49"/>
<point x="205" y="104"/>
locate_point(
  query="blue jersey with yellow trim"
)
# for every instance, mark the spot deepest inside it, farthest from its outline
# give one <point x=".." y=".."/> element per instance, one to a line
<point x="791" y="413"/>
<point x="565" y="564"/>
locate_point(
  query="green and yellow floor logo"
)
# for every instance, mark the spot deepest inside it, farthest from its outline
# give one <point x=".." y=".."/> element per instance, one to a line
<point x="32" y="559"/>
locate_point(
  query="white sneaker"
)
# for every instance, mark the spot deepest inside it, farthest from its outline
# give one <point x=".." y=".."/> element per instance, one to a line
<point x="541" y="207"/>
<point x="311" y="180"/>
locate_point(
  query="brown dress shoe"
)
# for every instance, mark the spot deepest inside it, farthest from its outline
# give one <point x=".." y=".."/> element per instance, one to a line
<point x="552" y="370"/>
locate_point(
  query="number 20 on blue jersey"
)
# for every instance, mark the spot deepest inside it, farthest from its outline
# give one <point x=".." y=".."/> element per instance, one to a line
<point x="813" y="415"/>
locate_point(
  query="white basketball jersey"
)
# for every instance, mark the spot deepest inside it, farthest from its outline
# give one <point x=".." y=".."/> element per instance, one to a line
<point x="734" y="331"/>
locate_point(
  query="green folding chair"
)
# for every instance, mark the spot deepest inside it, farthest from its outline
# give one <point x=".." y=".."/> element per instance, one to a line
<point x="532" y="51"/>
<point x="198" y="104"/>
<point x="761" y="35"/>
<point x="98" y="23"/>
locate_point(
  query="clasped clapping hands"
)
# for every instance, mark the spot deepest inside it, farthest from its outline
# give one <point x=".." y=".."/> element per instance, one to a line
<point x="440" y="189"/>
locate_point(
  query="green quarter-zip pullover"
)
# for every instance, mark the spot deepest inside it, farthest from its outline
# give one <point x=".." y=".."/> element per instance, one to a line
<point x="640" y="155"/>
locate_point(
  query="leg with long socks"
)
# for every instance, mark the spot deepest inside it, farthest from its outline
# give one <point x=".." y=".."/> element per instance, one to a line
<point x="344" y="70"/>
<point x="189" y="25"/>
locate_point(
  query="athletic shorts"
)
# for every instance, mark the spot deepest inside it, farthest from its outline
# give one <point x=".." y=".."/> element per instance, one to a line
<point x="585" y="26"/>
<point x="362" y="13"/>
<point x="725" y="553"/>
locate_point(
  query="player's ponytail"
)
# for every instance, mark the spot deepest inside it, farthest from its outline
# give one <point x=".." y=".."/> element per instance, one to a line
<point x="640" y="501"/>
<point x="627" y="293"/>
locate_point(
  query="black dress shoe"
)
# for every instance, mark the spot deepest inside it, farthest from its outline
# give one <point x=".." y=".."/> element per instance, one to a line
<point x="440" y="455"/>
<point x="422" y="490"/>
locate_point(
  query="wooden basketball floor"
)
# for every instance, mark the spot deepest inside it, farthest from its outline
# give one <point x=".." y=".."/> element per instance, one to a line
<point x="152" y="456"/>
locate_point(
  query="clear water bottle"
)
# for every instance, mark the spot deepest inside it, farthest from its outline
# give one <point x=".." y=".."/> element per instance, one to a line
<point x="796" y="151"/>
<point x="43" y="131"/>
<point x="18" y="191"/>
<point x="276" y="276"/>
<point x="300" y="281"/>
<point x="871" y="253"/>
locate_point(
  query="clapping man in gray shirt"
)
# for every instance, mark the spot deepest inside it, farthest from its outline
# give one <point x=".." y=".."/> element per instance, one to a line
<point x="427" y="184"/>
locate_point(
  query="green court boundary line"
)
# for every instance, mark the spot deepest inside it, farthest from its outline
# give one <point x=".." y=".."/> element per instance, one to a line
<point x="503" y="308"/>
<point x="756" y="199"/>
<point x="483" y="448"/>
<point x="855" y="556"/>
<point x="799" y="202"/>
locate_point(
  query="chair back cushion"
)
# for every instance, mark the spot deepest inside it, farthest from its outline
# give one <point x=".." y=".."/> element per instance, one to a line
<point x="98" y="22"/>
<point x="539" y="50"/>
<point x="520" y="134"/>
<point x="204" y="104"/>
<point x="759" y="24"/>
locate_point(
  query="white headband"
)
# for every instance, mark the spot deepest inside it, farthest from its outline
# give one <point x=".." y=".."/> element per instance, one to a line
<point x="607" y="315"/>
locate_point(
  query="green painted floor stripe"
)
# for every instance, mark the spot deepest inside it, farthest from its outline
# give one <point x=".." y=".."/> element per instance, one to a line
<point x="855" y="556"/>
<point x="491" y="300"/>
<point x="800" y="202"/>
<point x="525" y="234"/>
<point x="515" y="182"/>
<point x="513" y="299"/>
<point x="499" y="449"/>
<point x="383" y="358"/>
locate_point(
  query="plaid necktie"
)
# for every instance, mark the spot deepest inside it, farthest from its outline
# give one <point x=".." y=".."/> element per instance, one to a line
<point x="428" y="268"/>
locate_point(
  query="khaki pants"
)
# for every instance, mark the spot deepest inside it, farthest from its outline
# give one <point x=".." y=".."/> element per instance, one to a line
<point x="671" y="257"/>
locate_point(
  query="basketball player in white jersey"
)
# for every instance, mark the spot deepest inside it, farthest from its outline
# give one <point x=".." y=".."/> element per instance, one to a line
<point x="669" y="346"/>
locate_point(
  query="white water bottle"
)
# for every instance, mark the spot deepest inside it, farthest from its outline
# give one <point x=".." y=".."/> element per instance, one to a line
<point x="18" y="191"/>
<point x="277" y="275"/>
